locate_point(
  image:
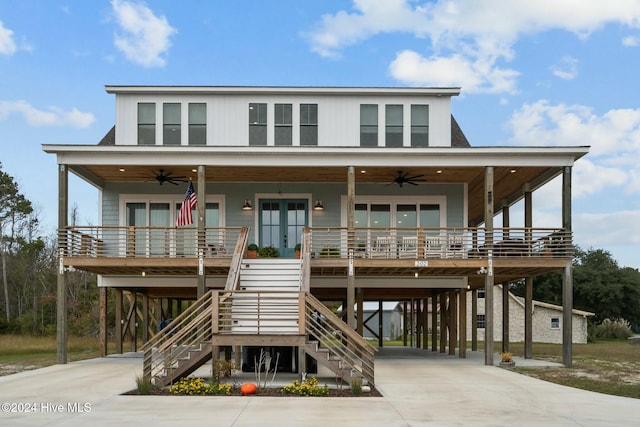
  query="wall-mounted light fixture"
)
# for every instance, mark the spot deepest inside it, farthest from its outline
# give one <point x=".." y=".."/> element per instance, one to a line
<point x="247" y="205"/>
<point x="318" y="206"/>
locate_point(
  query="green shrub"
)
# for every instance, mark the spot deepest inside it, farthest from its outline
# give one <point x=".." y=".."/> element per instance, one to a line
<point x="197" y="386"/>
<point x="268" y="252"/>
<point x="356" y="386"/>
<point x="618" y="329"/>
<point x="308" y="387"/>
<point x="143" y="385"/>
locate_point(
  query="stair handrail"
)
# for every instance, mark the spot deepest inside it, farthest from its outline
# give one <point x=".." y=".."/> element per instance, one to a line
<point x="352" y="349"/>
<point x="190" y="328"/>
<point x="305" y="260"/>
<point x="233" y="278"/>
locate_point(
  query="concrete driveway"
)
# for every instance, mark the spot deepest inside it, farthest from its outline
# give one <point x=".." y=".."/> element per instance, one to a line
<point x="420" y="388"/>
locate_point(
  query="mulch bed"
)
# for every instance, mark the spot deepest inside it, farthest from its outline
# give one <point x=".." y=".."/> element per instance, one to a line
<point x="266" y="392"/>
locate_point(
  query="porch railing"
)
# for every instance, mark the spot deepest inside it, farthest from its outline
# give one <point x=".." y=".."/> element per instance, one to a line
<point x="147" y="242"/>
<point x="443" y="243"/>
<point x="321" y="242"/>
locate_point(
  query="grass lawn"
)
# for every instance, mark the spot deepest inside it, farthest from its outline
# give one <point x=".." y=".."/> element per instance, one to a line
<point x="20" y="352"/>
<point x="606" y="366"/>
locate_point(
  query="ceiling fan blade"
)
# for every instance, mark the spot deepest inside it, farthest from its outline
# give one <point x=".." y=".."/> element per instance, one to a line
<point x="413" y="178"/>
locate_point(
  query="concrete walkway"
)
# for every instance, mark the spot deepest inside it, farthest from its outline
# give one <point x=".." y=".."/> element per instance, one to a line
<point x="420" y="388"/>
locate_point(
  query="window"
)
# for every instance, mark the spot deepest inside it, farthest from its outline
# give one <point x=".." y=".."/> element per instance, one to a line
<point x="368" y="125"/>
<point x="481" y="293"/>
<point x="481" y="322"/>
<point x="282" y="122"/>
<point x="146" y="124"/>
<point x="419" y="125"/>
<point x="308" y="124"/>
<point x="393" y="122"/>
<point x="198" y="124"/>
<point x="257" y="124"/>
<point x="171" y="128"/>
<point x="555" y="323"/>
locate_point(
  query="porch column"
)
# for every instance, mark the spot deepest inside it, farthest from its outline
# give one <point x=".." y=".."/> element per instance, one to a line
<point x="567" y="278"/>
<point x="434" y="322"/>
<point x="489" y="279"/>
<point x="425" y="323"/>
<point x="351" y="209"/>
<point x="505" y="286"/>
<point x="474" y="320"/>
<point x="103" y="322"/>
<point x="528" y="294"/>
<point x="444" y="320"/>
<point x="380" y="323"/>
<point x="453" y="321"/>
<point x="118" y="321"/>
<point x="418" y="326"/>
<point x="145" y="317"/>
<point x="61" y="306"/>
<point x="505" y="317"/>
<point x="528" y="318"/>
<point x="462" y="346"/>
<point x="202" y="238"/>
<point x="405" y="323"/>
<point x="360" y="305"/>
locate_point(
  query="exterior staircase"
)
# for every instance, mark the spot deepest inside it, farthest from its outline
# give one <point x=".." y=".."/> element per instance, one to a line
<point x="268" y="307"/>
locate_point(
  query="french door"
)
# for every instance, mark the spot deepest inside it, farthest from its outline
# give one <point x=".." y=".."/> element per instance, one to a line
<point x="281" y="224"/>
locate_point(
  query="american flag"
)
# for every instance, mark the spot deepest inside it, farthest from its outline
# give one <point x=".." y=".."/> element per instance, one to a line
<point x="185" y="216"/>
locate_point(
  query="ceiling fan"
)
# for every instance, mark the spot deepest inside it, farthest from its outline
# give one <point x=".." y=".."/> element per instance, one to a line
<point x="161" y="176"/>
<point x="405" y="178"/>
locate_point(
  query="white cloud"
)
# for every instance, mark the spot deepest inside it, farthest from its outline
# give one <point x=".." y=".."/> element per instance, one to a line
<point x="567" y="69"/>
<point x="7" y="44"/>
<point x="631" y="41"/>
<point x="54" y="116"/>
<point x="475" y="75"/>
<point x="614" y="138"/>
<point x="145" y="36"/>
<point x="476" y="35"/>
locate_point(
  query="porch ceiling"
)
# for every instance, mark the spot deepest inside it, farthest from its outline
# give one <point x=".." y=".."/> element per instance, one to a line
<point x="508" y="181"/>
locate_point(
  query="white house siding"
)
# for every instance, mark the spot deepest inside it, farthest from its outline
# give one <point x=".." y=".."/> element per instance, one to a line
<point x="338" y="117"/>
<point x="541" y="320"/>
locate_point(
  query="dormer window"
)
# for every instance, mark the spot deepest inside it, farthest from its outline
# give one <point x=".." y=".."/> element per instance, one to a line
<point x="146" y="123"/>
<point x="419" y="125"/>
<point x="368" y="125"/>
<point x="171" y="129"/>
<point x="257" y="124"/>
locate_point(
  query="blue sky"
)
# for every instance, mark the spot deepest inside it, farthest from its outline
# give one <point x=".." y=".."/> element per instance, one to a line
<point x="532" y="72"/>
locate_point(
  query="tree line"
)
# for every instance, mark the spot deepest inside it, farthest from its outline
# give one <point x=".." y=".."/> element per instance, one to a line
<point x="28" y="262"/>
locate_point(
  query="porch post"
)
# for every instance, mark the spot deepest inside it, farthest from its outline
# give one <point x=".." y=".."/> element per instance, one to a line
<point x="103" y="322"/>
<point x="418" y="326"/>
<point x="505" y="317"/>
<point x="145" y="317"/>
<point x="474" y="320"/>
<point x="380" y="323"/>
<point x="425" y="323"/>
<point x="528" y="295"/>
<point x="351" y="209"/>
<point x="567" y="278"/>
<point x="489" y="279"/>
<point x="61" y="306"/>
<point x="360" y="304"/>
<point x="453" y="321"/>
<point x="444" y="320"/>
<point x="528" y="318"/>
<point x="202" y="238"/>
<point x="405" y="323"/>
<point x="118" y="321"/>
<point x="434" y="321"/>
<point x="462" y="352"/>
<point x="505" y="285"/>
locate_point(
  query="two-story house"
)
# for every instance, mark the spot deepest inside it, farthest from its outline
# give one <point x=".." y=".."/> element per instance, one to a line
<point x="378" y="188"/>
